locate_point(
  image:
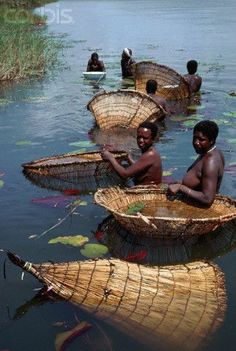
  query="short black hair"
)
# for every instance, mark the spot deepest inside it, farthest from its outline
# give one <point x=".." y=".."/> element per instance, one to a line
<point x="94" y="55"/>
<point x="208" y="128"/>
<point x="151" y="86"/>
<point x="192" y="66"/>
<point x="150" y="125"/>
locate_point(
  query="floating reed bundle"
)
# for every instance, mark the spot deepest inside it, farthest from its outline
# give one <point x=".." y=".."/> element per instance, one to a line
<point x="171" y="85"/>
<point x="154" y="251"/>
<point x="163" y="216"/>
<point x="178" y="305"/>
<point x="73" y="166"/>
<point x="124" y="108"/>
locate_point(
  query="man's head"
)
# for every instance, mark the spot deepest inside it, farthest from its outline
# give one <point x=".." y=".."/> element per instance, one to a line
<point x="94" y="56"/>
<point x="146" y="133"/>
<point x="127" y="53"/>
<point x="192" y="66"/>
<point x="204" y="136"/>
<point x="151" y="86"/>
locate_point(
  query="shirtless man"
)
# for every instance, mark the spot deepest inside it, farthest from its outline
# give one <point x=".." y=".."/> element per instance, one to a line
<point x="151" y="88"/>
<point x="193" y="79"/>
<point x="203" y="178"/>
<point x="148" y="168"/>
<point x="94" y="64"/>
<point x="126" y="62"/>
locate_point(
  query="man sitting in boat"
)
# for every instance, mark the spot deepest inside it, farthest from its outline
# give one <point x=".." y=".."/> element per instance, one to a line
<point x="148" y="168"/>
<point x="151" y="89"/>
<point x="203" y="178"/>
<point x="193" y="79"/>
<point x="94" y="64"/>
<point x="126" y="62"/>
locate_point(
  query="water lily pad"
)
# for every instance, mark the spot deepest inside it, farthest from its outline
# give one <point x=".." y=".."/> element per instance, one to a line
<point x="178" y="118"/>
<point x="230" y="114"/>
<point x="94" y="250"/>
<point x="77" y="240"/>
<point x="134" y="208"/>
<point x="196" y="107"/>
<point x="79" y="203"/>
<point x="4" y="102"/>
<point x="232" y="141"/>
<point x="84" y="143"/>
<point x="1" y="183"/>
<point x="23" y="142"/>
<point x="189" y="124"/>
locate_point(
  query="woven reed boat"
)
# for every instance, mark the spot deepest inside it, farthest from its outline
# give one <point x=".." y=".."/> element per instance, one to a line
<point x="73" y="166"/>
<point x="164" y="216"/>
<point x="171" y="85"/>
<point x="177" y="306"/>
<point x="153" y="251"/>
<point x="124" y="108"/>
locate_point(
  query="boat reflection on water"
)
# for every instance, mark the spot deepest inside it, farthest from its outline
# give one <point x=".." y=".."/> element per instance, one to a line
<point x="145" y="250"/>
<point x="85" y="185"/>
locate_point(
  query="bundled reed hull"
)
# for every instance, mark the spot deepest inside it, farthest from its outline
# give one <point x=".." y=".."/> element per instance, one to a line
<point x="117" y="201"/>
<point x="178" y="305"/>
<point x="171" y="85"/>
<point x="73" y="166"/>
<point x="124" y="108"/>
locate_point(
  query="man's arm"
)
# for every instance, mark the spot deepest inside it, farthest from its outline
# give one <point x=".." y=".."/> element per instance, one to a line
<point x="143" y="162"/>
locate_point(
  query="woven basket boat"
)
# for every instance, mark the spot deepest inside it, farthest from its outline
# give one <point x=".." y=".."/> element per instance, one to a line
<point x="73" y="166"/>
<point x="178" y="305"/>
<point x="171" y="85"/>
<point x="154" y="251"/>
<point x="171" y="217"/>
<point x="124" y="108"/>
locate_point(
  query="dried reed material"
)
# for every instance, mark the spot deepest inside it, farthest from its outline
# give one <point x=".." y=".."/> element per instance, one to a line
<point x="171" y="85"/>
<point x="117" y="201"/>
<point x="73" y="166"/>
<point x="124" y="108"/>
<point x="178" y="305"/>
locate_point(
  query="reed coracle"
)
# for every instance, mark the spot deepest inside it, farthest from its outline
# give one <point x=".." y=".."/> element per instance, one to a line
<point x="179" y="306"/>
<point x="124" y="108"/>
<point x="171" y="85"/>
<point x="73" y="166"/>
<point x="161" y="215"/>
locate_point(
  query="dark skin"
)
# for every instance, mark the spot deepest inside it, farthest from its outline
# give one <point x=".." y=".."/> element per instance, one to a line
<point x="147" y="169"/>
<point x="194" y="81"/>
<point x="203" y="178"/>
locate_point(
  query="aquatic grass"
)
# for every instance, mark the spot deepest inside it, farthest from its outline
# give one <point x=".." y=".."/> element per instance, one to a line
<point x="25" y="3"/>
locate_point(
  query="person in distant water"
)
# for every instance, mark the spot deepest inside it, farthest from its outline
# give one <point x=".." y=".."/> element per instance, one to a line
<point x="94" y="64"/>
<point x="203" y="178"/>
<point x="126" y="62"/>
<point x="151" y="89"/>
<point x="148" y="168"/>
<point x="193" y="79"/>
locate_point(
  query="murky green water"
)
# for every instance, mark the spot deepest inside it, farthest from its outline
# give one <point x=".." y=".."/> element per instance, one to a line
<point x="38" y="119"/>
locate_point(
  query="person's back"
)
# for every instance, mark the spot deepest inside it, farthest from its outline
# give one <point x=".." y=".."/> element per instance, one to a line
<point x="193" y="79"/>
<point x="94" y="64"/>
<point x="151" y="88"/>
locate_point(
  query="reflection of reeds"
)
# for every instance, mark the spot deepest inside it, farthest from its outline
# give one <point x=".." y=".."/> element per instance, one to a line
<point x="179" y="306"/>
<point x="25" y="51"/>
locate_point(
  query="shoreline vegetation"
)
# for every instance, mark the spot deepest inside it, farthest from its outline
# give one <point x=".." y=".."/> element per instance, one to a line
<point x="26" y="50"/>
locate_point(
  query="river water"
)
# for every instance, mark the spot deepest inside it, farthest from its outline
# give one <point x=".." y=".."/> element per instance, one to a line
<point x="46" y="117"/>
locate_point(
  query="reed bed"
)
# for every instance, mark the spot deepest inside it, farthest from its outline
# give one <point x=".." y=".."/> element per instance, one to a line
<point x="26" y="51"/>
<point x="180" y="305"/>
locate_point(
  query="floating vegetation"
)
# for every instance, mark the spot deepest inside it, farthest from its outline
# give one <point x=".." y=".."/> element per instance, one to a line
<point x="77" y="240"/>
<point x="230" y="114"/>
<point x="1" y="183"/>
<point x="23" y="142"/>
<point x="94" y="250"/>
<point x="232" y="141"/>
<point x="4" y="102"/>
<point x="83" y="143"/>
<point x="196" y="107"/>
